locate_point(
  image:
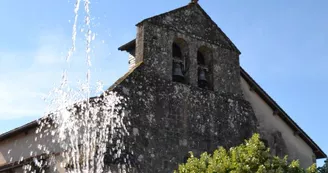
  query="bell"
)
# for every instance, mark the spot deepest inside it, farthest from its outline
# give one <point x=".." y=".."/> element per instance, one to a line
<point x="177" y="72"/>
<point x="202" y="82"/>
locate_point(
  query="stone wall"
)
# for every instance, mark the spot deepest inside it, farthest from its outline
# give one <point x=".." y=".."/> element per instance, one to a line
<point x="192" y="20"/>
<point x="154" y="49"/>
<point x="167" y="120"/>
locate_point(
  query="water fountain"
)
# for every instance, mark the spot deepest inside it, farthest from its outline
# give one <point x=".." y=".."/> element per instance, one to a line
<point x="79" y="129"/>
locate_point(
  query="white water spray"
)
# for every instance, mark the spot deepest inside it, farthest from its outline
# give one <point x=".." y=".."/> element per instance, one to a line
<point x="76" y="128"/>
<point x="76" y="12"/>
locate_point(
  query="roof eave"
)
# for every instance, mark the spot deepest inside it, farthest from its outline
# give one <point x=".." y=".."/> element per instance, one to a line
<point x="316" y="149"/>
<point x="18" y="130"/>
<point x="128" y="45"/>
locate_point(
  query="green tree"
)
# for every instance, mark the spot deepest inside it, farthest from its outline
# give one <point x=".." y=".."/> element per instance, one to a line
<point x="250" y="157"/>
<point x="324" y="168"/>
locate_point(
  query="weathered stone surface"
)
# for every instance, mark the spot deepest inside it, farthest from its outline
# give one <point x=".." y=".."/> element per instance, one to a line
<point x="168" y="119"/>
<point x="275" y="142"/>
<point x="192" y="20"/>
<point x="154" y="49"/>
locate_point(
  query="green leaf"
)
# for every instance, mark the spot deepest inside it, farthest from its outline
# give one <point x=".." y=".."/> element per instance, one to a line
<point x="250" y="157"/>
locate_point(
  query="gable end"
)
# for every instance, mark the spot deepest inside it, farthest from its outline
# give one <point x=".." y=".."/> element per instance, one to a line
<point x="193" y="20"/>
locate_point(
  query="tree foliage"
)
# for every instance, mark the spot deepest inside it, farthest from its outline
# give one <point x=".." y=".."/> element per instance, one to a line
<point x="324" y="168"/>
<point x="250" y="157"/>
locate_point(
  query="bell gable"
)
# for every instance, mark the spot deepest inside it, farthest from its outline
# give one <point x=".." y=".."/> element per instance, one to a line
<point x="194" y="21"/>
<point x="206" y="58"/>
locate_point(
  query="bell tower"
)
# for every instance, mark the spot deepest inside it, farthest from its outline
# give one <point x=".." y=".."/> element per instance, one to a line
<point x="183" y="89"/>
<point x="186" y="46"/>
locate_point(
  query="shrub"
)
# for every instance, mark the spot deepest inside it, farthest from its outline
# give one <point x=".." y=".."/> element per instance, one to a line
<point x="250" y="157"/>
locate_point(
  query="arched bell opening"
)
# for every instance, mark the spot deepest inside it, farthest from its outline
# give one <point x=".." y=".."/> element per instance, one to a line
<point x="180" y="61"/>
<point x="205" y="71"/>
<point x="176" y="51"/>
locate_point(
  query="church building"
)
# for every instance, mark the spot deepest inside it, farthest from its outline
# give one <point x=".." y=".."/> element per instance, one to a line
<point x="186" y="91"/>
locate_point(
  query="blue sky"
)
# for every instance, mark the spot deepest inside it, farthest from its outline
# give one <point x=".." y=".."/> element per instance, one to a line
<point x="283" y="45"/>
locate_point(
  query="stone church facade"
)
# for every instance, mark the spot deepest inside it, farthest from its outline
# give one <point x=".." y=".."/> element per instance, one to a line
<point x="185" y="92"/>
